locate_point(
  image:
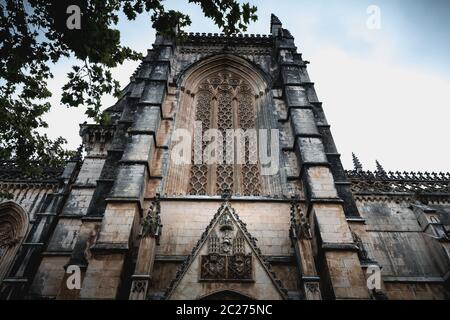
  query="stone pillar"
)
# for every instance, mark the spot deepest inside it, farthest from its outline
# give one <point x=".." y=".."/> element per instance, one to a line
<point x="149" y="238"/>
<point x="301" y="237"/>
<point x="333" y="244"/>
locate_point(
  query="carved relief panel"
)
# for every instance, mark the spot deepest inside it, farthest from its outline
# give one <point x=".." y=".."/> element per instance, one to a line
<point x="227" y="259"/>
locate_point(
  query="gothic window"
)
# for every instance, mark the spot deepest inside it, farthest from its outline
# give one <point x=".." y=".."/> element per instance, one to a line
<point x="226" y="101"/>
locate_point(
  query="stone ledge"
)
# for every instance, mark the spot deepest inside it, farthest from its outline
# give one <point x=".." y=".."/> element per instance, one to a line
<point x="92" y="218"/>
<point x="339" y="246"/>
<point x="57" y="253"/>
<point x="413" y="279"/>
<point x="108" y="247"/>
<point x="310" y="278"/>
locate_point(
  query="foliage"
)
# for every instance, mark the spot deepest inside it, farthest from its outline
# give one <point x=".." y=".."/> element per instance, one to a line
<point x="34" y="35"/>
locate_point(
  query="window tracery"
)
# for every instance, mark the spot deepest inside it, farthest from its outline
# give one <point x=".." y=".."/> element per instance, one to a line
<point x="225" y="101"/>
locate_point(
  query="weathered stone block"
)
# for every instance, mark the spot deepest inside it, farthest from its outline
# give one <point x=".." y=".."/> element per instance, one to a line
<point x="117" y="223"/>
<point x="310" y="150"/>
<point x="295" y="96"/>
<point x="154" y="93"/>
<point x="303" y="122"/>
<point x="90" y="171"/>
<point x="141" y="148"/>
<point x="291" y="74"/>
<point x="65" y="235"/>
<point x="78" y="201"/>
<point x="129" y="182"/>
<point x="147" y="119"/>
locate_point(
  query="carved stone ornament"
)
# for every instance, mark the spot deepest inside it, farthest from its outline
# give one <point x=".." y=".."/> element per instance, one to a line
<point x="362" y="252"/>
<point x="300" y="227"/>
<point x="226" y="259"/>
<point x="151" y="224"/>
<point x="139" y="286"/>
<point x="312" y="287"/>
<point x="220" y="262"/>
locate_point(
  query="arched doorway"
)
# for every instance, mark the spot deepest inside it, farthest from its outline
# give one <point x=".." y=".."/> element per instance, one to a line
<point x="226" y="295"/>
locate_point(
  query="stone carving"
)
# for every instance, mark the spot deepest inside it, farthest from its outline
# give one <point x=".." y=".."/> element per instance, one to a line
<point x="151" y="224"/>
<point x="139" y="286"/>
<point x="312" y="287"/>
<point x="367" y="182"/>
<point x="199" y="172"/>
<point x="362" y="252"/>
<point x="300" y="227"/>
<point x="240" y="267"/>
<point x="7" y="236"/>
<point x="250" y="172"/>
<point x="225" y="171"/>
<point x="213" y="267"/>
<point x="226" y="259"/>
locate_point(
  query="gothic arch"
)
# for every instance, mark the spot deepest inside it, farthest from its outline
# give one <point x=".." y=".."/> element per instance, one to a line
<point x="222" y="92"/>
<point x="13" y="229"/>
<point x="227" y="89"/>
<point x="190" y="78"/>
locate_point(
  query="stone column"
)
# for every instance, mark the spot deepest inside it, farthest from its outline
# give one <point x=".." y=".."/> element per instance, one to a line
<point x="149" y="238"/>
<point x="301" y="237"/>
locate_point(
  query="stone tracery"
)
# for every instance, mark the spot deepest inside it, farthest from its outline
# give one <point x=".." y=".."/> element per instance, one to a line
<point x="225" y="101"/>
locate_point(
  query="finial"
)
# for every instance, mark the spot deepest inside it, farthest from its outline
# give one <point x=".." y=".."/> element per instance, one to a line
<point x="275" y="25"/>
<point x="274" y="19"/>
<point x="380" y="169"/>
<point x="356" y="163"/>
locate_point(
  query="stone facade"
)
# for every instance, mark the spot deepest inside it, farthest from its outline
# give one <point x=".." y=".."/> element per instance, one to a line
<point x="138" y="225"/>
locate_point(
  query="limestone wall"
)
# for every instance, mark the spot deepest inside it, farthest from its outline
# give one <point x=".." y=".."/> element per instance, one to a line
<point x="414" y="264"/>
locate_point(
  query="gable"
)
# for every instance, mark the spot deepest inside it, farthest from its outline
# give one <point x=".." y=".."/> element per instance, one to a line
<point x="226" y="258"/>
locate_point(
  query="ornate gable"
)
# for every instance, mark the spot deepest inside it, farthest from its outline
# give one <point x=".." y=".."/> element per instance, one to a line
<point x="226" y="258"/>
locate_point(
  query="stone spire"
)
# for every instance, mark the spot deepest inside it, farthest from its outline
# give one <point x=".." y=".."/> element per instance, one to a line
<point x="357" y="166"/>
<point x="380" y="169"/>
<point x="275" y="25"/>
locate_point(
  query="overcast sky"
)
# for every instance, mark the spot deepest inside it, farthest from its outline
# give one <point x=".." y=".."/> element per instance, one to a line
<point x="386" y="92"/>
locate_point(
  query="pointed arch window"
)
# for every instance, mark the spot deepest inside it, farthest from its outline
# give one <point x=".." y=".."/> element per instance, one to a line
<point x="225" y="101"/>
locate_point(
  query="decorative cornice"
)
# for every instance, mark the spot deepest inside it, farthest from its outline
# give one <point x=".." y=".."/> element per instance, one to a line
<point x="11" y="173"/>
<point x="200" y="38"/>
<point x="381" y="183"/>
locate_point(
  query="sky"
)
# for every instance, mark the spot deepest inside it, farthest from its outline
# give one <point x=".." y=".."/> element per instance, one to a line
<point x="385" y="91"/>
